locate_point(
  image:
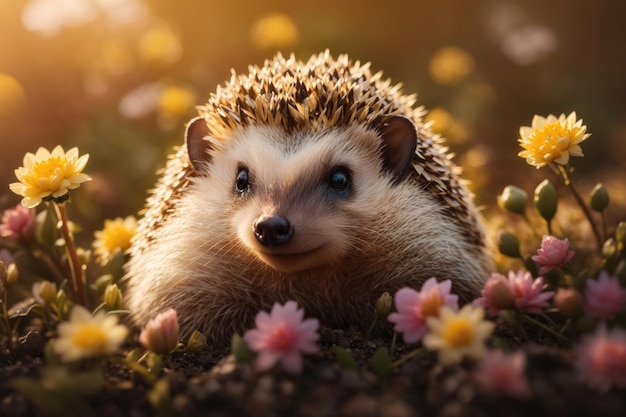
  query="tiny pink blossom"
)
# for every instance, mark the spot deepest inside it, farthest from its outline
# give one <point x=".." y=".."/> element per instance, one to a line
<point x="18" y="224"/>
<point x="503" y="374"/>
<point x="601" y="358"/>
<point x="604" y="297"/>
<point x="160" y="335"/>
<point x="497" y="295"/>
<point x="282" y="335"/>
<point x="552" y="253"/>
<point x="413" y="308"/>
<point x="528" y="292"/>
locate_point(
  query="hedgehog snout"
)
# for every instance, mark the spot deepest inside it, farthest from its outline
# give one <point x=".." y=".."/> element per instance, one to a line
<point x="272" y="230"/>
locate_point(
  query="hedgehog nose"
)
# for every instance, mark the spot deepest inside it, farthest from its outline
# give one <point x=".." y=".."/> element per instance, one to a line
<point x="272" y="230"/>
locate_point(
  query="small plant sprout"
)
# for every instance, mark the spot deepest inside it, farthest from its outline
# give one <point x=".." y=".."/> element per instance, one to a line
<point x="282" y="335"/>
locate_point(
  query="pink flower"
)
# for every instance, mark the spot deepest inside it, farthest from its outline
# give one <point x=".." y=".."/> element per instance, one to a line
<point x="160" y="335"/>
<point x="497" y="295"/>
<point x="18" y="224"/>
<point x="282" y="335"/>
<point x="413" y="308"/>
<point x="604" y="297"/>
<point x="601" y="358"/>
<point x="528" y="292"/>
<point x="552" y="254"/>
<point x="503" y="374"/>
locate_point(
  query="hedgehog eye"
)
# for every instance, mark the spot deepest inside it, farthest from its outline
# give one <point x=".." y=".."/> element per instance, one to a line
<point x="242" y="181"/>
<point x="339" y="180"/>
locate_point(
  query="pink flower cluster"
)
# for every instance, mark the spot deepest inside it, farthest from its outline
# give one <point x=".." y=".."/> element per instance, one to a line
<point x="519" y="291"/>
<point x="413" y="307"/>
<point x="552" y="253"/>
<point x="282" y="336"/>
<point x="604" y="298"/>
<point x="18" y="224"/>
<point x="601" y="358"/>
<point x="503" y="374"/>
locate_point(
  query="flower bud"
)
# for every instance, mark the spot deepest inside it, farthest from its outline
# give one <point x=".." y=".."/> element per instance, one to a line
<point x="508" y="244"/>
<point x="513" y="199"/>
<point x="160" y="335"/>
<point x="599" y="198"/>
<point x="45" y="292"/>
<point x="12" y="275"/>
<point x="383" y="305"/>
<point x="546" y="200"/>
<point x="3" y="274"/>
<point x="113" y="297"/>
<point x="620" y="235"/>
<point x="569" y="302"/>
<point x="498" y="292"/>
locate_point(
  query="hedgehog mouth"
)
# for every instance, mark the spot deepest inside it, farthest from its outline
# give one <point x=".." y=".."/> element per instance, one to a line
<point x="293" y="261"/>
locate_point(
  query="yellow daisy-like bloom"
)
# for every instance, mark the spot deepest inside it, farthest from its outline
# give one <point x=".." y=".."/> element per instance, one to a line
<point x="552" y="139"/>
<point x="49" y="175"/>
<point x="116" y="234"/>
<point x="87" y="336"/>
<point x="458" y="334"/>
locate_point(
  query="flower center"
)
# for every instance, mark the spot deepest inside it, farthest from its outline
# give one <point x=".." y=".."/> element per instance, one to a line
<point x="282" y="337"/>
<point x="49" y="169"/>
<point x="117" y="236"/>
<point x="458" y="333"/>
<point x="90" y="338"/>
<point x="431" y="304"/>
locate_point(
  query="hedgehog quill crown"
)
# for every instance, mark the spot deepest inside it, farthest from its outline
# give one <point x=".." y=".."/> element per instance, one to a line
<point x="321" y="93"/>
<point x="305" y="96"/>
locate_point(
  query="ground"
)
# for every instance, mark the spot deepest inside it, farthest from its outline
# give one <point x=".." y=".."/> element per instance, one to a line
<point x="210" y="382"/>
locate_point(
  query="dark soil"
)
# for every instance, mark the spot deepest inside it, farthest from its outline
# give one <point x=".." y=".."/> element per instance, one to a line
<point x="210" y="382"/>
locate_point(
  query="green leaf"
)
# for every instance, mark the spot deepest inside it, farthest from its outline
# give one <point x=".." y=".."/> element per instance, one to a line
<point x="345" y="359"/>
<point x="24" y="308"/>
<point x="241" y="351"/>
<point x="196" y="342"/>
<point x="381" y="363"/>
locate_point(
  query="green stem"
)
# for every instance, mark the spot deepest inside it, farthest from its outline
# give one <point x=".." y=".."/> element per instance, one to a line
<point x="549" y="225"/>
<point x="78" y="281"/>
<point x="369" y="331"/>
<point x="406" y="357"/>
<point x="393" y="343"/>
<point x="565" y="174"/>
<point x="546" y="328"/>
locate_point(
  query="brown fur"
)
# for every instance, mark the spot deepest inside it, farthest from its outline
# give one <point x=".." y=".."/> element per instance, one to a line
<point x="196" y="250"/>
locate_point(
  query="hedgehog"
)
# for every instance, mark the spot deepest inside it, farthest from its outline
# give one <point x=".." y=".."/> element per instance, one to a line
<point x="311" y="181"/>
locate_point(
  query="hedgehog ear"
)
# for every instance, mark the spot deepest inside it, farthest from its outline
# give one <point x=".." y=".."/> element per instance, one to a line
<point x="197" y="146"/>
<point x="399" y="142"/>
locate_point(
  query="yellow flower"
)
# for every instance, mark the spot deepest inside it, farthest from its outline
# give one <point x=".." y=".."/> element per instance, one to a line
<point x="458" y="334"/>
<point x="276" y="30"/>
<point x="49" y="175"/>
<point x="450" y="65"/>
<point x="116" y="234"/>
<point x="87" y="336"/>
<point x="552" y="139"/>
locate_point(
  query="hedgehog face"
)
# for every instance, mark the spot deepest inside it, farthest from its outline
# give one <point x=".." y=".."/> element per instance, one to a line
<point x="296" y="199"/>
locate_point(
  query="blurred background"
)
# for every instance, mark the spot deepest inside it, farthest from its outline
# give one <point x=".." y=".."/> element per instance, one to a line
<point x="119" y="78"/>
